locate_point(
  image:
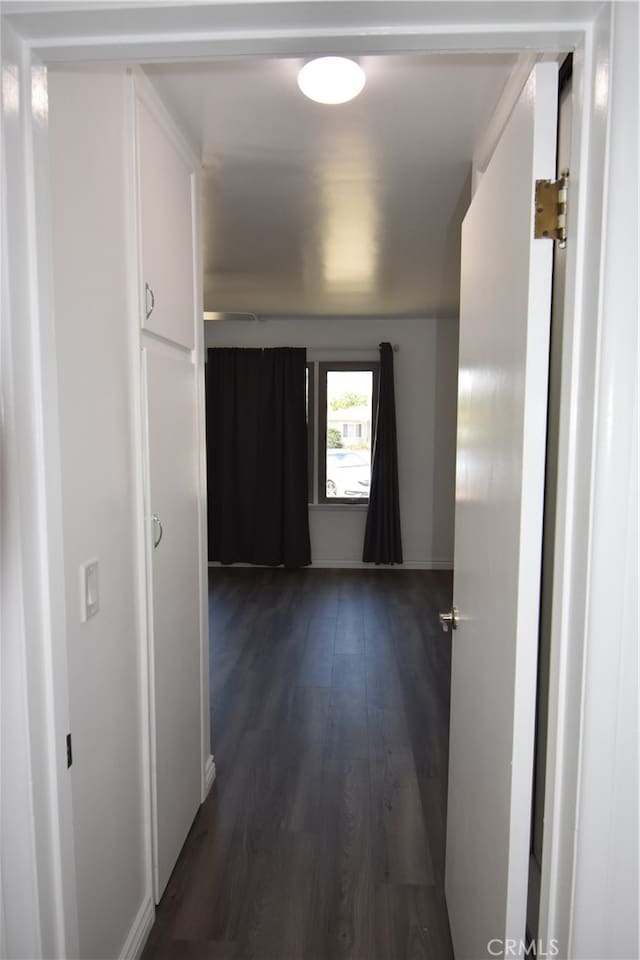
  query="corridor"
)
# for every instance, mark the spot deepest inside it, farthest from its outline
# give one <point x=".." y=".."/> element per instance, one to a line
<point x="323" y="836"/>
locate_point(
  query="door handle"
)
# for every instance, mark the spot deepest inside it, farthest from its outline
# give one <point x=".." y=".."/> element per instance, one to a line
<point x="148" y="309"/>
<point x="450" y="618"/>
<point x="156" y="519"/>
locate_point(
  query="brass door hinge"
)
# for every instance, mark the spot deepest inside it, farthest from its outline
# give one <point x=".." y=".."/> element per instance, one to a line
<point x="551" y="209"/>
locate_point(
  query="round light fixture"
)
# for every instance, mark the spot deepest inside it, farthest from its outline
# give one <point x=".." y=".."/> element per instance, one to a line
<point x="331" y="79"/>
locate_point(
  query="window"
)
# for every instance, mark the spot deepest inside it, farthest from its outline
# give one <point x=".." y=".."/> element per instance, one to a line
<point x="346" y="427"/>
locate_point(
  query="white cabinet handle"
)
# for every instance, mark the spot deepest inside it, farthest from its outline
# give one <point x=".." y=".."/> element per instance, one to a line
<point x="148" y="292"/>
<point x="156" y="519"/>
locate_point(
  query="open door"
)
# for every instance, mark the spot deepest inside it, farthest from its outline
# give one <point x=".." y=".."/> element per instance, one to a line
<point x="502" y="405"/>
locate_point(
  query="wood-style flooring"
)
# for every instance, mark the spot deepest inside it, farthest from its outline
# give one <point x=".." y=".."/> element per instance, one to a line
<point x="323" y="836"/>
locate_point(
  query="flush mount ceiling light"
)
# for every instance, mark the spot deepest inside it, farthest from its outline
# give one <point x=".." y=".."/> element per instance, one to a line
<point x="331" y="79"/>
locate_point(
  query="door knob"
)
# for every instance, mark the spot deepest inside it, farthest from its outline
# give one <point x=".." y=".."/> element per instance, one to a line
<point x="449" y="619"/>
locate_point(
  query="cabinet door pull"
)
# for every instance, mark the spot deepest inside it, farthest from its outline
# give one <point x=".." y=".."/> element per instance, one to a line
<point x="148" y="292"/>
<point x="156" y="543"/>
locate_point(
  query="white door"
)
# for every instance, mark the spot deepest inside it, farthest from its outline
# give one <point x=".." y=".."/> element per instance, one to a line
<point x="170" y="378"/>
<point x="502" y="403"/>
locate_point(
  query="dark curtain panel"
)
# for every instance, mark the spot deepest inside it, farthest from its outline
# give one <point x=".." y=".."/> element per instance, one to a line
<point x="257" y="457"/>
<point x="382" y="536"/>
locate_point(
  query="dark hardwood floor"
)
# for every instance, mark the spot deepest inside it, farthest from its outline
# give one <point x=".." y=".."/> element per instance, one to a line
<point x="323" y="836"/>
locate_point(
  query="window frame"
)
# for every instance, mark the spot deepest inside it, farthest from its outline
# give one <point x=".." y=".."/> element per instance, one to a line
<point x="329" y="366"/>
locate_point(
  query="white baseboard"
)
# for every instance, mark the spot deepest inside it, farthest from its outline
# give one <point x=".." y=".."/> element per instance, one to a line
<point x="399" y="567"/>
<point x="134" y="944"/>
<point x="209" y="775"/>
<point x="355" y="565"/>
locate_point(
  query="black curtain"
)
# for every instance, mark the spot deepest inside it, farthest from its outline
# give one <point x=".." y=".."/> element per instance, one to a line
<point x="382" y="536"/>
<point x="257" y="456"/>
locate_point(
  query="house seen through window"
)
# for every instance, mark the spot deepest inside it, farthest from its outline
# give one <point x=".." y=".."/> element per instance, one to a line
<point x="346" y="429"/>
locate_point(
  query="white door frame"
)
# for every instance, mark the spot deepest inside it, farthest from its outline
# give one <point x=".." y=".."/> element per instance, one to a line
<point x="142" y="91"/>
<point x="167" y="31"/>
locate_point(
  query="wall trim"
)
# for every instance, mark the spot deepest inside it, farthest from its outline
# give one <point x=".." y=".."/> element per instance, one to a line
<point x="353" y="565"/>
<point x="137" y="373"/>
<point x="208" y="776"/>
<point x="140" y="930"/>
<point x="399" y="567"/>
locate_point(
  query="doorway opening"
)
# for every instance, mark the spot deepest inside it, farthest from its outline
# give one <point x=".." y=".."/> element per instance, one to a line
<point x="262" y="324"/>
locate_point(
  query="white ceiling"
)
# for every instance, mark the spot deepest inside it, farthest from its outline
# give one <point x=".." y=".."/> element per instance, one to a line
<point x="335" y="210"/>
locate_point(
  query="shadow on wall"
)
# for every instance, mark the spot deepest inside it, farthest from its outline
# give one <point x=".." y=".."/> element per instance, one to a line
<point x="446" y="385"/>
<point x="451" y="241"/>
<point x="445" y="417"/>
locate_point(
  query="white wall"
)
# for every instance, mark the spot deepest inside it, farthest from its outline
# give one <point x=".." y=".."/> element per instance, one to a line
<point x="93" y="330"/>
<point x="426" y="368"/>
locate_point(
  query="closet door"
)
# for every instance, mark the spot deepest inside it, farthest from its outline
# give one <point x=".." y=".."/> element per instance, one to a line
<point x="171" y="395"/>
<point x="165" y="184"/>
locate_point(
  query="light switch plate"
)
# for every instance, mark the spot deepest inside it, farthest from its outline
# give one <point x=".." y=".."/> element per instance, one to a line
<point x="89" y="594"/>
